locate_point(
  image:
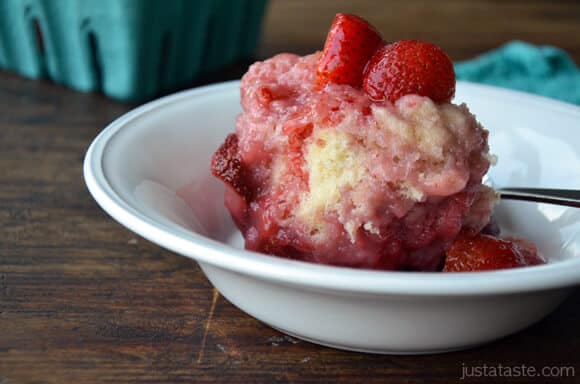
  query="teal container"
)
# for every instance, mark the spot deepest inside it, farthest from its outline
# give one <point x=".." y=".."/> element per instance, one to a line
<point x="128" y="49"/>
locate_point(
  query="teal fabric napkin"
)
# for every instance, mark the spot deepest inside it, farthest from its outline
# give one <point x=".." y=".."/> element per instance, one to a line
<point x="544" y="70"/>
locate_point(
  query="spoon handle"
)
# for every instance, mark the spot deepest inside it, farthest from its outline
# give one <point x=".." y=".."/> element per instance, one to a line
<point x="568" y="197"/>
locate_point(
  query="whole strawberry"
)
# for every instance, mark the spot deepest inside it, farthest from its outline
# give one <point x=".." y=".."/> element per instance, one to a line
<point x="350" y="43"/>
<point x="409" y="67"/>
<point x="478" y="252"/>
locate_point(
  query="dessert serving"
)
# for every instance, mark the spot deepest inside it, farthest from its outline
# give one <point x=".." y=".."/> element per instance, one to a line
<point x="356" y="156"/>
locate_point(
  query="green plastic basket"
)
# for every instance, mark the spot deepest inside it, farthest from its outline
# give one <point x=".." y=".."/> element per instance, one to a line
<point x="128" y="49"/>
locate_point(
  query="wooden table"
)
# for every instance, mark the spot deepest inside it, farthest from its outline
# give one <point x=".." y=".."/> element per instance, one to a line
<point x="83" y="300"/>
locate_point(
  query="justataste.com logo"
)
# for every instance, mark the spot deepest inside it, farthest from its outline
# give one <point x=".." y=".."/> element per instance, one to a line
<point x="522" y="370"/>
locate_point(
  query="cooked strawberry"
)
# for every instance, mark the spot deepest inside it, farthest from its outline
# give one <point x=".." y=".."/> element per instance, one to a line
<point x="226" y="165"/>
<point x="409" y="67"/>
<point x="478" y="252"/>
<point x="350" y="43"/>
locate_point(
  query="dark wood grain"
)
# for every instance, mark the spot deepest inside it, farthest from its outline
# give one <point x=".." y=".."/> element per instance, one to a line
<point x="84" y="300"/>
<point x="463" y="28"/>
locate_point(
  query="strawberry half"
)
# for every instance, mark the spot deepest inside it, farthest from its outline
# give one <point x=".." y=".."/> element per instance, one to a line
<point x="409" y="67"/>
<point x="478" y="252"/>
<point x="350" y="43"/>
<point x="226" y="165"/>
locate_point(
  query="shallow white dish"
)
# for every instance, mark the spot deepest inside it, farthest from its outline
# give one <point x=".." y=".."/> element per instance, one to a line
<point x="137" y="164"/>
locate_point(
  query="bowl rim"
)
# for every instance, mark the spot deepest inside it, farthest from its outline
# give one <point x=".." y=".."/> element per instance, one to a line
<point x="309" y="275"/>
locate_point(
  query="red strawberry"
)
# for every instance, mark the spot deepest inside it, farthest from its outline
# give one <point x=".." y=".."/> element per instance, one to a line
<point x="226" y="165"/>
<point x="349" y="45"/>
<point x="410" y="67"/>
<point x="478" y="252"/>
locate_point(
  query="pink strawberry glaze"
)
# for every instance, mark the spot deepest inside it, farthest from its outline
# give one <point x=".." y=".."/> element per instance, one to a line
<point x="377" y="222"/>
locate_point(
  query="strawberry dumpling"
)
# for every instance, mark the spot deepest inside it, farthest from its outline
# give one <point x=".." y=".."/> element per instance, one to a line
<point x="355" y="156"/>
<point x="330" y="176"/>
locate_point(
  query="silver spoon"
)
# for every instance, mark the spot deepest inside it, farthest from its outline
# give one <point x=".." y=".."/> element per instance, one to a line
<point x="567" y="197"/>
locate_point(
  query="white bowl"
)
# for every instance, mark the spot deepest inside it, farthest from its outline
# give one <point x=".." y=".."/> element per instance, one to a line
<point x="136" y="166"/>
